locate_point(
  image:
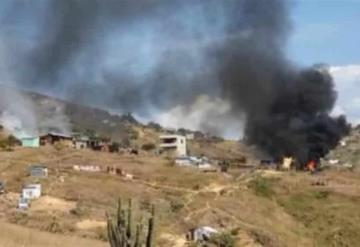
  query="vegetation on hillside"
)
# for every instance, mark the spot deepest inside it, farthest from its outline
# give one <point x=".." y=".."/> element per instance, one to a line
<point x="121" y="228"/>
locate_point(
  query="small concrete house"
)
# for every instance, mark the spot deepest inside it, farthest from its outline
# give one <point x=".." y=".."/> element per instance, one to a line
<point x="38" y="171"/>
<point x="183" y="161"/>
<point x="23" y="203"/>
<point x="173" y="144"/>
<point x="31" y="142"/>
<point x="81" y="143"/>
<point x="2" y="187"/>
<point x="201" y="234"/>
<point x="31" y="191"/>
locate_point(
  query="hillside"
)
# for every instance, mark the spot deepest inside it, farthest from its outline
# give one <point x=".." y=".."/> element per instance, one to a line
<point x="253" y="207"/>
<point x="86" y="119"/>
<point x="261" y="208"/>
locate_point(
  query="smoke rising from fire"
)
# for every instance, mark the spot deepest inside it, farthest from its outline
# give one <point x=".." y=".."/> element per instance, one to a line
<point x="151" y="56"/>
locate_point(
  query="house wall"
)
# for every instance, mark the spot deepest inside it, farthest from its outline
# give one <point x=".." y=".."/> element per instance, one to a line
<point x="38" y="171"/>
<point x="30" y="142"/>
<point x="32" y="191"/>
<point x="52" y="139"/>
<point x="81" y="144"/>
<point x="67" y="143"/>
<point x="174" y="144"/>
<point x="181" y="146"/>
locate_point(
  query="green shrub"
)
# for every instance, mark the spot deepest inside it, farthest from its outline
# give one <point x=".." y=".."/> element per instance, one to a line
<point x="321" y="194"/>
<point x="114" y="147"/>
<point x="224" y="239"/>
<point x="176" y="205"/>
<point x="148" y="146"/>
<point x="262" y="187"/>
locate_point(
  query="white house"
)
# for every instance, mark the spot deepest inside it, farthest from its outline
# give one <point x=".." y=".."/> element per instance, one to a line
<point x="203" y="233"/>
<point x="183" y="161"/>
<point x="23" y="203"/>
<point x="31" y="191"/>
<point x="173" y="144"/>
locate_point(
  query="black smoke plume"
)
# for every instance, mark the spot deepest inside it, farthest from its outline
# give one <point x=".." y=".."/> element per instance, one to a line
<point x="154" y="55"/>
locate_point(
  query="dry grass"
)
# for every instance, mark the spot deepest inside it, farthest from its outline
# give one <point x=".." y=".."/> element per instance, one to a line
<point x="17" y="236"/>
<point x="271" y="209"/>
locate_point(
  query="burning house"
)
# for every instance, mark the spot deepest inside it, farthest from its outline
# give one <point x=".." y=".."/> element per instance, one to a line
<point x="52" y="138"/>
<point x="99" y="144"/>
<point x="174" y="145"/>
<point x="283" y="108"/>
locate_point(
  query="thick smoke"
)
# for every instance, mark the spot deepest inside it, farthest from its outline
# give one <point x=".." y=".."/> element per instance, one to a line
<point x="154" y="56"/>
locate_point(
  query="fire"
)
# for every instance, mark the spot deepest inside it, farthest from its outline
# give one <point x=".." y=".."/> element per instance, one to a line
<point x="287" y="163"/>
<point x="311" y="165"/>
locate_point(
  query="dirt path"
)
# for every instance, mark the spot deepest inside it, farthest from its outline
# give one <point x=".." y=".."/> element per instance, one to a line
<point x="176" y="241"/>
<point x="90" y="224"/>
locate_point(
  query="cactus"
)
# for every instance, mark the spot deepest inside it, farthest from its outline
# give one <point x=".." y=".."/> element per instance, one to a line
<point x="150" y="228"/>
<point x="120" y="228"/>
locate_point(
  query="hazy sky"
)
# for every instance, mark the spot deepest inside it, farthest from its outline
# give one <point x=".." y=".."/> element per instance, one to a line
<point x="323" y="31"/>
<point x="327" y="31"/>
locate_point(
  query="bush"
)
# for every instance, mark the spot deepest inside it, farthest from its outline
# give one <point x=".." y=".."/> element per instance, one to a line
<point x="262" y="187"/>
<point x="78" y="211"/>
<point x="148" y="146"/>
<point x="133" y="134"/>
<point x="12" y="140"/>
<point x="321" y="194"/>
<point x="8" y="143"/>
<point x="176" y="205"/>
<point x="114" y="147"/>
<point x="224" y="239"/>
<point x="54" y="226"/>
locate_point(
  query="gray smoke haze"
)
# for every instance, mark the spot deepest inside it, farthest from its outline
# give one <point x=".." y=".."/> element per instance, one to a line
<point x="154" y="56"/>
<point x="149" y="54"/>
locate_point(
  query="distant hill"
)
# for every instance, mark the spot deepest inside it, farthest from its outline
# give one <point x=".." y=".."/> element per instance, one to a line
<point x="59" y="115"/>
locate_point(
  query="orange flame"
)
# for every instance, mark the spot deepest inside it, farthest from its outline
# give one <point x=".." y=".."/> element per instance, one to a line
<point x="311" y="165"/>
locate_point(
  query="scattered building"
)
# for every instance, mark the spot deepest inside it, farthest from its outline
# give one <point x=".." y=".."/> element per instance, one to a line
<point x="190" y="136"/>
<point x="2" y="187"/>
<point x="23" y="203"/>
<point x="81" y="143"/>
<point x="38" y="171"/>
<point x="173" y="144"/>
<point x="196" y="162"/>
<point x="97" y="144"/>
<point x="183" y="161"/>
<point x="52" y="138"/>
<point x="31" y="142"/>
<point x="31" y="191"/>
<point x="202" y="234"/>
<point x="87" y="168"/>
